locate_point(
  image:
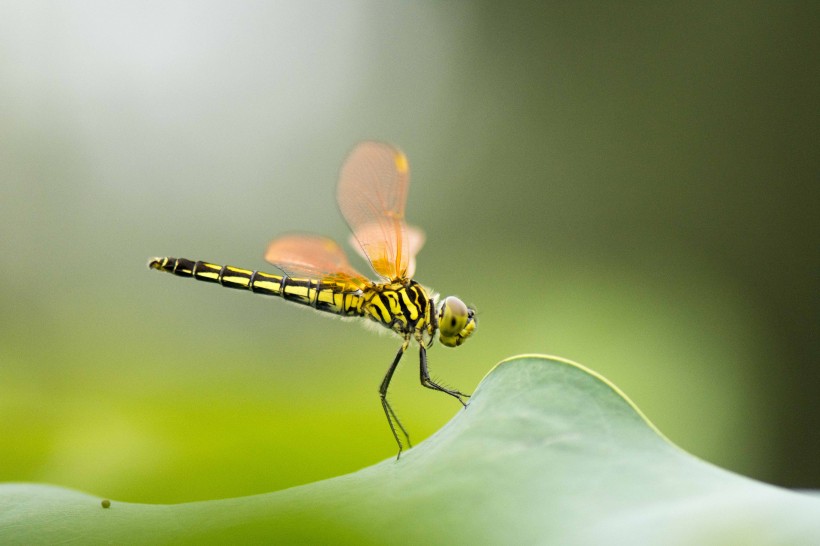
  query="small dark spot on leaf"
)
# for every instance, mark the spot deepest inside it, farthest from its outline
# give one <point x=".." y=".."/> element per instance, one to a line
<point x="105" y="503"/>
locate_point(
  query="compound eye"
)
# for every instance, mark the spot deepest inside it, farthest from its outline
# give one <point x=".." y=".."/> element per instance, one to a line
<point x="456" y="322"/>
<point x="453" y="317"/>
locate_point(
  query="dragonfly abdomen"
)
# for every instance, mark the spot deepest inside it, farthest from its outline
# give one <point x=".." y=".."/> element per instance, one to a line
<point x="323" y="296"/>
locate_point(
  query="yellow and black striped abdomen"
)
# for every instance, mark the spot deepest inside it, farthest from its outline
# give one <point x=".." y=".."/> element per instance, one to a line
<point x="326" y="296"/>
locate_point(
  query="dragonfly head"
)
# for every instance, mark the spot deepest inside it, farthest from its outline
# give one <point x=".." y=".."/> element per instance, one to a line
<point x="456" y="322"/>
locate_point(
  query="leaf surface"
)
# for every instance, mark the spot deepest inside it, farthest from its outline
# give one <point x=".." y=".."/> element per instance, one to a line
<point x="546" y="452"/>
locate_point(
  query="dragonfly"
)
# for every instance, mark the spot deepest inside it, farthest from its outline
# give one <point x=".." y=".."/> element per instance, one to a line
<point x="371" y="194"/>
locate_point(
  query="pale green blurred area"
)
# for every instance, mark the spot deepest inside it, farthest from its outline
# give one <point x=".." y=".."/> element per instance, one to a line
<point x="633" y="188"/>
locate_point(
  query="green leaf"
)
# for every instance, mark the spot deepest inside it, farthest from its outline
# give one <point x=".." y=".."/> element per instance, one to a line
<point x="546" y="452"/>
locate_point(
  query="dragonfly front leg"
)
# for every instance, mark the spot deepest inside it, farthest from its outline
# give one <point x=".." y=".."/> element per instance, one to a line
<point x="392" y="418"/>
<point x="430" y="384"/>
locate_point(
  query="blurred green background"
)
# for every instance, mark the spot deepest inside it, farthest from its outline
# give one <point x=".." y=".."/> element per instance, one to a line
<point x="630" y="186"/>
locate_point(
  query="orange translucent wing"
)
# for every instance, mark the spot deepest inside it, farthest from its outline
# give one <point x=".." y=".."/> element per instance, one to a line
<point x="372" y="193"/>
<point x="315" y="257"/>
<point x="413" y="241"/>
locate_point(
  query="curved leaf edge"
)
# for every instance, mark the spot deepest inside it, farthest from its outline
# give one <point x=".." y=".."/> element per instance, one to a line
<point x="612" y="386"/>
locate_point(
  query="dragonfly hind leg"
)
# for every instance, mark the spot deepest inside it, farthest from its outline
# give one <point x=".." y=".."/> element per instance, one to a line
<point x="392" y="418"/>
<point x="430" y="384"/>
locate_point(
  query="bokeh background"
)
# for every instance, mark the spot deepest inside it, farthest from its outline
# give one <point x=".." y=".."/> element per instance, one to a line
<point x="629" y="185"/>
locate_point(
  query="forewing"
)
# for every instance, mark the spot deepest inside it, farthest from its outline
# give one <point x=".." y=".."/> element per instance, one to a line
<point x="372" y="194"/>
<point x="413" y="241"/>
<point x="313" y="256"/>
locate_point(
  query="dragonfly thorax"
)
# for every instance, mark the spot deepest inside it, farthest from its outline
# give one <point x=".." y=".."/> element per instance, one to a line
<point x="403" y="307"/>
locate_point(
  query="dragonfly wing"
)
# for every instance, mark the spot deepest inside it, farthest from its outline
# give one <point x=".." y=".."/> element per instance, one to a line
<point x="313" y="256"/>
<point x="414" y="240"/>
<point x="372" y="194"/>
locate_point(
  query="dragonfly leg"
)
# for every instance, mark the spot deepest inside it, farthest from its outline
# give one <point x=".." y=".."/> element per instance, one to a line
<point x="392" y="418"/>
<point x="430" y="384"/>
